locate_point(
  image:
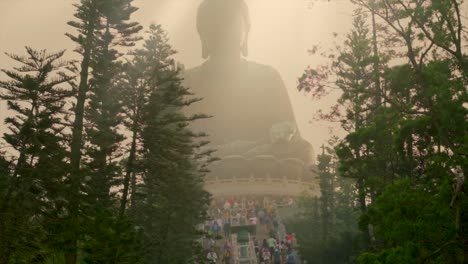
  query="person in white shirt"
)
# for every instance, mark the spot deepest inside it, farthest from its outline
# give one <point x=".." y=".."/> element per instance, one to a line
<point x="253" y="220"/>
<point x="266" y="256"/>
<point x="227" y="205"/>
<point x="212" y="257"/>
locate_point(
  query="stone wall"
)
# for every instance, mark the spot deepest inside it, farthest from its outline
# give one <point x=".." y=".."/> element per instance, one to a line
<point x="261" y="175"/>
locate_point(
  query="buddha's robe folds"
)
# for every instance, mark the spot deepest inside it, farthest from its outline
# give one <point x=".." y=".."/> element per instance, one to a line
<point x="248" y="102"/>
<point x="245" y="101"/>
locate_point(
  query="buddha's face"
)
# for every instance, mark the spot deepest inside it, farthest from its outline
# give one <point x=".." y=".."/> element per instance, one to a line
<point x="222" y="29"/>
<point x="225" y="37"/>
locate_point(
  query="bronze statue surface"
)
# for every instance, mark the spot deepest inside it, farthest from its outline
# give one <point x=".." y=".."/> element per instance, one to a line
<point x="245" y="100"/>
<point x="250" y="108"/>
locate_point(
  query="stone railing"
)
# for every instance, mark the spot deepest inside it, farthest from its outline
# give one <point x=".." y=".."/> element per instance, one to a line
<point x="243" y="253"/>
<point x="259" y="168"/>
<point x="264" y="175"/>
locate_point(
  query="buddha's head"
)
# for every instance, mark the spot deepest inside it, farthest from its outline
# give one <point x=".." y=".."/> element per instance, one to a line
<point x="223" y="26"/>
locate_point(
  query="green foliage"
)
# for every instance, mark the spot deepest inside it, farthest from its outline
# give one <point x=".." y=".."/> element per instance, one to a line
<point x="411" y="235"/>
<point x="60" y="186"/>
<point x="103" y="27"/>
<point x="406" y="142"/>
<point x="326" y="228"/>
<point x="172" y="199"/>
<point x="30" y="193"/>
<point x="394" y="193"/>
<point x="112" y="241"/>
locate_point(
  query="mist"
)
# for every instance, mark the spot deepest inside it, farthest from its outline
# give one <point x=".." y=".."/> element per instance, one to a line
<point x="233" y="131"/>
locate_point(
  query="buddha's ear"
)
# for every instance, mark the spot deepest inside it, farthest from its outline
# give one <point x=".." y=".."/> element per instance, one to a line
<point x="245" y="45"/>
<point x="205" y="49"/>
<point x="245" y="15"/>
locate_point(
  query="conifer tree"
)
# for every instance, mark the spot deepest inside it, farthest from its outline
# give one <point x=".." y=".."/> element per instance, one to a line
<point x="135" y="91"/>
<point x="103" y="26"/>
<point x="172" y="200"/>
<point x="407" y="150"/>
<point x="87" y="23"/>
<point x="139" y="78"/>
<point x="326" y="184"/>
<point x="103" y="112"/>
<point x="37" y="97"/>
<point x="326" y="226"/>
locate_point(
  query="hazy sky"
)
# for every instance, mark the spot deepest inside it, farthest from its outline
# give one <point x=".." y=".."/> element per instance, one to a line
<point x="281" y="33"/>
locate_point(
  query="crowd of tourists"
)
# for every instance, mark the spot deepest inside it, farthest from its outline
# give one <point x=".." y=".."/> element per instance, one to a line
<point x="275" y="251"/>
<point x="239" y="211"/>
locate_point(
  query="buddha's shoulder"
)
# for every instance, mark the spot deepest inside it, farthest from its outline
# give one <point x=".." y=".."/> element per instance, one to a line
<point x="264" y="76"/>
<point x="260" y="68"/>
<point x="251" y="66"/>
<point x="189" y="74"/>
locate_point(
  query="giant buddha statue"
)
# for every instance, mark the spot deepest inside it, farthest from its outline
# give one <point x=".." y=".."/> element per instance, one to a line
<point x="250" y="108"/>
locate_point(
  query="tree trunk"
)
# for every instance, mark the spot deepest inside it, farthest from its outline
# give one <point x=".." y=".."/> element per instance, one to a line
<point x="75" y="149"/>
<point x="129" y="170"/>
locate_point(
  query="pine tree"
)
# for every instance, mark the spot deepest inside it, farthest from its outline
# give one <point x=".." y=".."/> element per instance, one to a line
<point x="326" y="226"/>
<point x="103" y="26"/>
<point x="103" y="112"/>
<point x="87" y="24"/>
<point x="408" y="146"/>
<point x="355" y="77"/>
<point x="135" y="91"/>
<point x="36" y="95"/>
<point x="172" y="199"/>
<point x="429" y="93"/>
<point x="326" y="184"/>
<point x="136" y="83"/>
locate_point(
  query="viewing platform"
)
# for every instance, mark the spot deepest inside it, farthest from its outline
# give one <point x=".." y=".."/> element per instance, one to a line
<point x="261" y="175"/>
